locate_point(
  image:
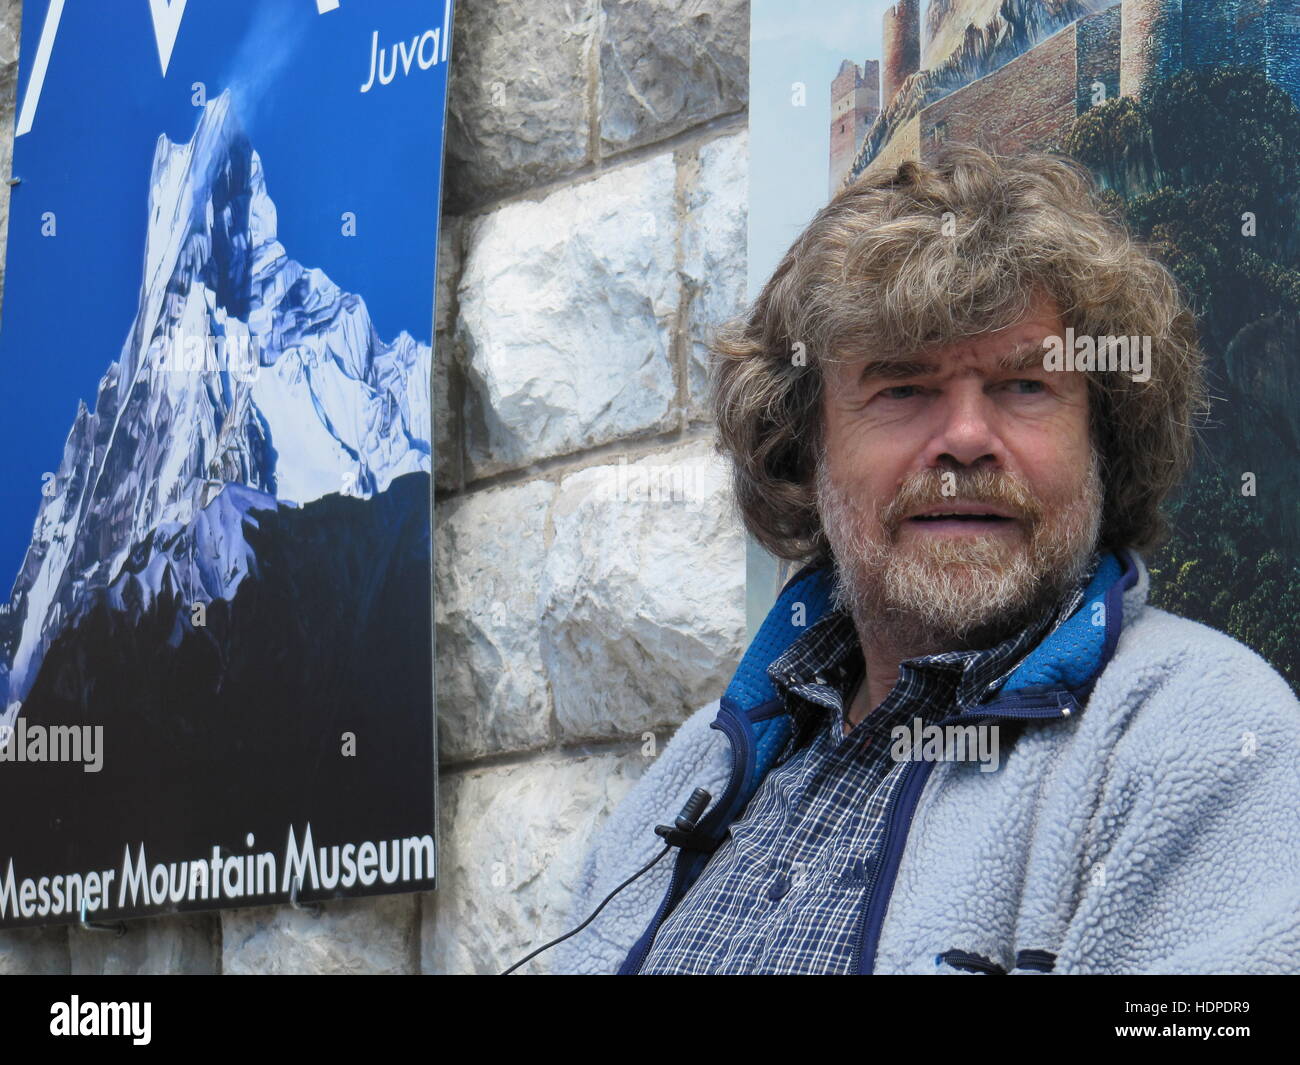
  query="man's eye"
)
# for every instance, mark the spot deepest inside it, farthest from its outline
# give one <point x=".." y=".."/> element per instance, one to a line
<point x="899" y="392"/>
<point x="1027" y="386"/>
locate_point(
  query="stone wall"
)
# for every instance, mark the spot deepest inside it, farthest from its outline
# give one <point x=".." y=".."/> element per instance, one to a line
<point x="1026" y="103"/>
<point x="1098" y="57"/>
<point x="904" y="144"/>
<point x="589" y="563"/>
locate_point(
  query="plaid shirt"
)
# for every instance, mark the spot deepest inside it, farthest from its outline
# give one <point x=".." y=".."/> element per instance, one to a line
<point x="784" y="891"/>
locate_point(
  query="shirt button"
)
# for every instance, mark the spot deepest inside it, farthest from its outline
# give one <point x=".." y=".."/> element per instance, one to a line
<point x="819" y="679"/>
<point x="778" y="889"/>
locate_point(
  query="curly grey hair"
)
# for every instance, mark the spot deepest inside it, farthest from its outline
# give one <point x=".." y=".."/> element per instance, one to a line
<point x="922" y="255"/>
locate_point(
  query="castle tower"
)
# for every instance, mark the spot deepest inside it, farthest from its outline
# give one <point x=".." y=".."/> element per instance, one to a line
<point x="1282" y="54"/>
<point x="901" y="40"/>
<point x="1211" y="31"/>
<point x="1151" y="44"/>
<point x="855" y="102"/>
<point x="1267" y="34"/>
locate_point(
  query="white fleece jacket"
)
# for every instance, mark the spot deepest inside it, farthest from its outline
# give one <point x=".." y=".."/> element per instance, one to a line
<point x="1156" y="831"/>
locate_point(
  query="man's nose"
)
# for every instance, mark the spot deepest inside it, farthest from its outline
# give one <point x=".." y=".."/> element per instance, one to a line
<point x="966" y="433"/>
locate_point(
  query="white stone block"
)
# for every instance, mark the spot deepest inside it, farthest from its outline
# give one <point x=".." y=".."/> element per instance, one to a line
<point x="643" y="593"/>
<point x="566" y="311"/>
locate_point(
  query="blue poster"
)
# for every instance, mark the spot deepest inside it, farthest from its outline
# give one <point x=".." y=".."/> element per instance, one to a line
<point x="216" y="675"/>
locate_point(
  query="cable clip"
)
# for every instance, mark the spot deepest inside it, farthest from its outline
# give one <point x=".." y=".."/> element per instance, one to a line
<point x="313" y="908"/>
<point x="681" y="833"/>
<point x="118" y="929"/>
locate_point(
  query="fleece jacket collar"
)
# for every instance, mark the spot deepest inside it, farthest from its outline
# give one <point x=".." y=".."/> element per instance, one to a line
<point x="1069" y="659"/>
<point x="1052" y="681"/>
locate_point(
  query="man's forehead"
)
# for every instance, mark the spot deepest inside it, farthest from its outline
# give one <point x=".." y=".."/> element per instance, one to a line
<point x="1009" y="342"/>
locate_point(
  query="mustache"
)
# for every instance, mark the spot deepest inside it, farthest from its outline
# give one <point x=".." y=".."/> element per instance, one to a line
<point x="1006" y="491"/>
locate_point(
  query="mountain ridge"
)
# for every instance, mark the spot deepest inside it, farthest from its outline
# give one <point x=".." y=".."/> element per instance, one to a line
<point x="317" y="404"/>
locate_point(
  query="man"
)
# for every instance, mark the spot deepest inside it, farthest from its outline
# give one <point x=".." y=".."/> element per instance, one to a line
<point x="962" y="741"/>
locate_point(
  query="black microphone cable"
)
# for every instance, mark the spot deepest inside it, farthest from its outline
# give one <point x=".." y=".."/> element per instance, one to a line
<point x="644" y="869"/>
<point x="676" y="834"/>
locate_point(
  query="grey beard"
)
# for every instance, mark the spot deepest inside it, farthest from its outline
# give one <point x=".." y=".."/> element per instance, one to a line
<point x="955" y="594"/>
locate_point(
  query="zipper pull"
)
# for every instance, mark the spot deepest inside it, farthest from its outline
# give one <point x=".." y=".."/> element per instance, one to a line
<point x="971" y="963"/>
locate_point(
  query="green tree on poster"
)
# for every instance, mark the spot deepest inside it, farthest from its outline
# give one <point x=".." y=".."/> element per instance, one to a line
<point x="1206" y="171"/>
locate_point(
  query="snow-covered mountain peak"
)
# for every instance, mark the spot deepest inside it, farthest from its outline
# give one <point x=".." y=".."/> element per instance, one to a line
<point x="242" y="368"/>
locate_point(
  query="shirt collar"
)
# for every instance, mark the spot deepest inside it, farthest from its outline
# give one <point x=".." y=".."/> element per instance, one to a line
<point x="822" y="667"/>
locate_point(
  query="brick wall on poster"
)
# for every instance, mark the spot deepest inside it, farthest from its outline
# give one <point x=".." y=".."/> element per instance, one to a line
<point x="1029" y="101"/>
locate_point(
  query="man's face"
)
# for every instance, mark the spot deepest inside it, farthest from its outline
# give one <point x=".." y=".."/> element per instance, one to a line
<point x="960" y="492"/>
